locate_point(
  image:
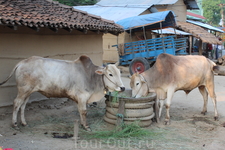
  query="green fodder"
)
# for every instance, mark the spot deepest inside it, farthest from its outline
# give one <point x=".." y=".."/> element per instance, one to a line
<point x="128" y="136"/>
<point x="125" y="131"/>
<point x="116" y="95"/>
<point x="115" y="98"/>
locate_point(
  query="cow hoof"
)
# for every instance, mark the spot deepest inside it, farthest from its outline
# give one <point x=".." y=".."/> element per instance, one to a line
<point x="167" y="122"/>
<point x="87" y="128"/>
<point x="216" y="118"/>
<point x="14" y="126"/>
<point x="24" y="124"/>
<point x="204" y="112"/>
<point x="155" y="120"/>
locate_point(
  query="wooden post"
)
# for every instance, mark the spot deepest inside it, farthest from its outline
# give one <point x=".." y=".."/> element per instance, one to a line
<point x="121" y="111"/>
<point x="76" y="130"/>
<point x="190" y="44"/>
<point x="200" y="47"/>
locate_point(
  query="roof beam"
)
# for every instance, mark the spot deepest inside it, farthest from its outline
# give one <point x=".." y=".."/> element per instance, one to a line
<point x="54" y="29"/>
<point x="68" y="29"/>
<point x="35" y="29"/>
<point x="96" y="31"/>
<point x="13" y="27"/>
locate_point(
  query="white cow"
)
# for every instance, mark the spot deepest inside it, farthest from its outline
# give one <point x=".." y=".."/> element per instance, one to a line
<point x="79" y="80"/>
<point x="172" y="73"/>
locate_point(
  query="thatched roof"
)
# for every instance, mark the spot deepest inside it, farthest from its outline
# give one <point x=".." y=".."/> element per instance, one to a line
<point x="198" y="32"/>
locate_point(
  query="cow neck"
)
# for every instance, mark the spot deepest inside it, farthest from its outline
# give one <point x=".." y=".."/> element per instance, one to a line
<point x="105" y="89"/>
<point x="145" y="82"/>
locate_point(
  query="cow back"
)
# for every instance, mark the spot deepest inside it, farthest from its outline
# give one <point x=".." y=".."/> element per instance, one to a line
<point x="183" y="72"/>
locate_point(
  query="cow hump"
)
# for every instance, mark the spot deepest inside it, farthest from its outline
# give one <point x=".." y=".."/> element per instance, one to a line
<point x="87" y="64"/>
<point x="85" y="60"/>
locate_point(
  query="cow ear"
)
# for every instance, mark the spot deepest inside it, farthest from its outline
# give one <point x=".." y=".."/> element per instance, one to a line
<point x="100" y="71"/>
<point x="142" y="79"/>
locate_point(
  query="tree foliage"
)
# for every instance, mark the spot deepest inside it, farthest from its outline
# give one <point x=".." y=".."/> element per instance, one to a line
<point x="212" y="11"/>
<point x="77" y="2"/>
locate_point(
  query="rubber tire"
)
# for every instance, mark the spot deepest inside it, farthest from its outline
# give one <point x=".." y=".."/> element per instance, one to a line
<point x="111" y="116"/>
<point x="131" y="105"/>
<point x="132" y="113"/>
<point x="138" y="62"/>
<point x="143" y="123"/>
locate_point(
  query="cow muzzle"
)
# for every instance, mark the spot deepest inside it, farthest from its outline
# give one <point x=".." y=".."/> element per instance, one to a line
<point x="119" y="89"/>
<point x="122" y="89"/>
<point x="113" y="85"/>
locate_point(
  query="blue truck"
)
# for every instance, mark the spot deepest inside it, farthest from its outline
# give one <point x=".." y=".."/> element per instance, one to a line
<point x="140" y="55"/>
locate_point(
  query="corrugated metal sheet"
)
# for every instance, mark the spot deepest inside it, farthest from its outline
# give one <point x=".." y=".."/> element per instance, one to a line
<point x="191" y="4"/>
<point x="171" y="31"/>
<point x="197" y="16"/>
<point x="134" y="2"/>
<point x="120" y="9"/>
<point x="113" y="13"/>
<point x="204" y="25"/>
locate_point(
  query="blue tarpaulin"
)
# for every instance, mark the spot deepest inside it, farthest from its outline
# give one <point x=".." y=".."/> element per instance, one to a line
<point x="149" y="21"/>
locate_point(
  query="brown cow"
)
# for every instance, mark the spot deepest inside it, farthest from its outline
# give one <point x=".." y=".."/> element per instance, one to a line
<point x="172" y="73"/>
<point x="79" y="80"/>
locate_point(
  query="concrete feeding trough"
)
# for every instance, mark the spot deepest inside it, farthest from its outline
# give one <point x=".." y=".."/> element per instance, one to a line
<point x="121" y="107"/>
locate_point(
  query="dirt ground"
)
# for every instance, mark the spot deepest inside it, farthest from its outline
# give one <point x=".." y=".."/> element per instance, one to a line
<point x="188" y="129"/>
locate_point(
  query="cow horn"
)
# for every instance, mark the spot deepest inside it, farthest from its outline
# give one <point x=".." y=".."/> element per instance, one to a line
<point x="117" y="63"/>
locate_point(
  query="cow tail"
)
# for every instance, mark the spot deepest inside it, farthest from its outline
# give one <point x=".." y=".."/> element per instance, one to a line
<point x="14" y="69"/>
<point x="213" y="66"/>
<point x="216" y="69"/>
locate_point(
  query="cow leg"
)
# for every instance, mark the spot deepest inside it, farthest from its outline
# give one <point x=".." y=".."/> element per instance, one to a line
<point x="21" y="99"/>
<point x="157" y="110"/>
<point x="204" y="93"/>
<point x="83" y="113"/>
<point x="82" y="108"/>
<point x="22" y="109"/>
<point x="170" y="93"/>
<point x="161" y="104"/>
<point x="210" y="88"/>
<point x="17" y="104"/>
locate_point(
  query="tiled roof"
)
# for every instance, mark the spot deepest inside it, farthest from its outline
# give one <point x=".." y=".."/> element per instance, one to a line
<point x="51" y="14"/>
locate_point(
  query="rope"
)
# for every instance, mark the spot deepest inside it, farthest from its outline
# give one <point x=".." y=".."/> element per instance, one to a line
<point x="120" y="115"/>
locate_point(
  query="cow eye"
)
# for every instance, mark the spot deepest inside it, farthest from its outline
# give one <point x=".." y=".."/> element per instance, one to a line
<point x="137" y="84"/>
<point x="110" y="75"/>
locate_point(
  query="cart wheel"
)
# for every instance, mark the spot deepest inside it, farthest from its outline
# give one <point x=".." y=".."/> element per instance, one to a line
<point x="138" y="64"/>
